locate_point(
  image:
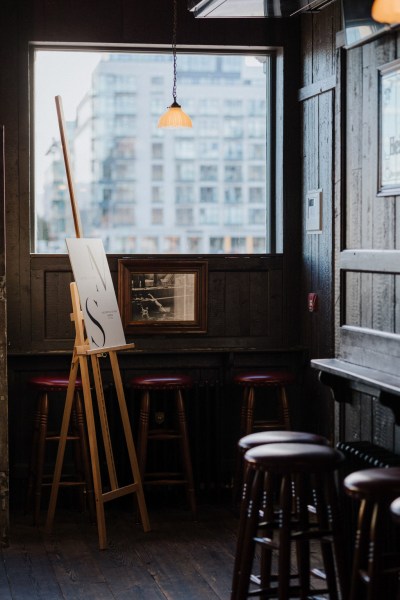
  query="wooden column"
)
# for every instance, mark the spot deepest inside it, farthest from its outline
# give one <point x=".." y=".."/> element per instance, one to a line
<point x="4" y="506"/>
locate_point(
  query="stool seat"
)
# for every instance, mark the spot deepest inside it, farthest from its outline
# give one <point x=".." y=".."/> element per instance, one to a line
<point x="272" y="378"/>
<point x="161" y="382"/>
<point x="395" y="510"/>
<point x="294" y="457"/>
<point x="52" y="383"/>
<point x="274" y="437"/>
<point x="374" y="483"/>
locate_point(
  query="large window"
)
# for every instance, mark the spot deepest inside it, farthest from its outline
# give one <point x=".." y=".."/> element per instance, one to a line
<point x="122" y="164"/>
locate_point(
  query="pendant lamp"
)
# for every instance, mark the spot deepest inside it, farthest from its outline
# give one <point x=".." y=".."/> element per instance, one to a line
<point x="386" y="11"/>
<point x="175" y="116"/>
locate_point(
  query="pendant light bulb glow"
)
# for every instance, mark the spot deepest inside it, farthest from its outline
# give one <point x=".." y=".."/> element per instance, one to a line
<point x="174" y="117"/>
<point x="386" y="11"/>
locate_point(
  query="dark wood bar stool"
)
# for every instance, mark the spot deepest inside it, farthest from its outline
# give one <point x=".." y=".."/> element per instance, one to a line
<point x="252" y="441"/>
<point x="375" y="570"/>
<point x="175" y="384"/>
<point x="49" y="389"/>
<point x="270" y="379"/>
<point x="275" y="380"/>
<point x="310" y="470"/>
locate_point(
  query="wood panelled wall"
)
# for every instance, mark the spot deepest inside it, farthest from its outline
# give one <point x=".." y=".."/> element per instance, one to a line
<point x="369" y="263"/>
<point x="353" y="264"/>
<point x="319" y="100"/>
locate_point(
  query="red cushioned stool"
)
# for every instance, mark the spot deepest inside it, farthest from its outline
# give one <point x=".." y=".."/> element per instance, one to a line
<point x="175" y="384"/>
<point x="250" y="382"/>
<point x="50" y="390"/>
<point x="276" y="380"/>
<point x="375" y="565"/>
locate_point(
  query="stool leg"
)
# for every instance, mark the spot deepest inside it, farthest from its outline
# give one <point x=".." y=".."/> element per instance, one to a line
<point x="143" y="432"/>
<point x="284" y="538"/>
<point x="360" y="548"/>
<point x="43" y="418"/>
<point x="338" y="535"/>
<point x="184" y="441"/>
<point x="248" y="409"/>
<point x="284" y="408"/>
<point x="375" y="562"/>
<point x="299" y="490"/>
<point x="249" y="518"/>
<point x="34" y="456"/>
<point x="322" y="505"/>
<point x="84" y="453"/>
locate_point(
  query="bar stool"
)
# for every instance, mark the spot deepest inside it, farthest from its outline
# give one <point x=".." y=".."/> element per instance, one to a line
<point x="258" y="439"/>
<point x="276" y="380"/>
<point x="48" y="389"/>
<point x="310" y="468"/>
<point x="374" y="568"/>
<point x="175" y="384"/>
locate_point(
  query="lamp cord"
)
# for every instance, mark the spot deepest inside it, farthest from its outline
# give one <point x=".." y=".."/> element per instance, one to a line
<point x="174" y="31"/>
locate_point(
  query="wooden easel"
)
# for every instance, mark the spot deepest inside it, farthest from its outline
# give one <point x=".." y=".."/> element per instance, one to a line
<point x="81" y="354"/>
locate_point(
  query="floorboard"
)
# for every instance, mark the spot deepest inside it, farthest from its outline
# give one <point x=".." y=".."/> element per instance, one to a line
<point x="177" y="560"/>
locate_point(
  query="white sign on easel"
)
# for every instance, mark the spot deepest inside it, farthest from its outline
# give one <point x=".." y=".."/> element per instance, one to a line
<point x="96" y="293"/>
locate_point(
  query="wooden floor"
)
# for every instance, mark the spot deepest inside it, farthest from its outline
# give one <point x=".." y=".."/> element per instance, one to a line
<point x="178" y="560"/>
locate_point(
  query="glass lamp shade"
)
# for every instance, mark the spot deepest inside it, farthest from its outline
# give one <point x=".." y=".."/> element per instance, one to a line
<point x="175" y="117"/>
<point x="386" y="11"/>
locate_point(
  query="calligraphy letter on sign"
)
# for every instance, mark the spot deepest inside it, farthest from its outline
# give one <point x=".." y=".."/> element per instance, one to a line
<point x="96" y="292"/>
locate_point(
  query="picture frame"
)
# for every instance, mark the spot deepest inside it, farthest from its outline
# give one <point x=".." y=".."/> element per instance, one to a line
<point x="389" y="129"/>
<point x="163" y="295"/>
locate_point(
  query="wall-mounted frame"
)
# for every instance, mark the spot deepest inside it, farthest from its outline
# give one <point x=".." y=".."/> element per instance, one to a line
<point x="163" y="295"/>
<point x="389" y="130"/>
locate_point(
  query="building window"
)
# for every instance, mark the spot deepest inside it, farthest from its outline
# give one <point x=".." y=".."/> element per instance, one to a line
<point x="233" y="195"/>
<point x="216" y="245"/>
<point x="184" y="194"/>
<point x="157" y="194"/>
<point x="209" y="215"/>
<point x="209" y="194"/>
<point x="157" y="150"/>
<point x="208" y="172"/>
<point x="184" y="216"/>
<point x="256" y="195"/>
<point x="157" y="216"/>
<point x="157" y="172"/>
<point x="256" y="216"/>
<point x="174" y="187"/>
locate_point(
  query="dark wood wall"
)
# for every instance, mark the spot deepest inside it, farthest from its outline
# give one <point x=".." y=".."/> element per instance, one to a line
<point x="319" y="100"/>
<point x="252" y="302"/>
<point x="354" y="263"/>
<point x="369" y="262"/>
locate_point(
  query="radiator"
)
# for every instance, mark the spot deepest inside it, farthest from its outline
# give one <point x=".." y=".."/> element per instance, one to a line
<point x="365" y="455"/>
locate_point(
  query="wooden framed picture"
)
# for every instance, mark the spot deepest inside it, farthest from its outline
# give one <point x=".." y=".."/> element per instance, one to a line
<point x="389" y="129"/>
<point x="163" y="295"/>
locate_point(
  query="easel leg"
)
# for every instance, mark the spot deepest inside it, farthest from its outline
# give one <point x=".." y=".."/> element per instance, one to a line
<point x="94" y="454"/>
<point x="129" y="441"/>
<point x="61" y="445"/>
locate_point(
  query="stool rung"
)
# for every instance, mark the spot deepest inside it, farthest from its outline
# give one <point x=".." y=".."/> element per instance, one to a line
<point x="166" y="482"/>
<point x="56" y="438"/>
<point x="267" y="542"/>
<point x="164" y="436"/>
<point x="66" y="484"/>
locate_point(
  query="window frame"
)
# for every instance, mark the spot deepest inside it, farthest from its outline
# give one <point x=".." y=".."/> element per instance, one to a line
<point x="274" y="124"/>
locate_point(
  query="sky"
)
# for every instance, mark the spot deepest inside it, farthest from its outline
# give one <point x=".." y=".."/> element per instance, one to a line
<point x="65" y="74"/>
